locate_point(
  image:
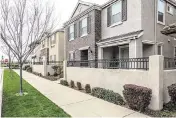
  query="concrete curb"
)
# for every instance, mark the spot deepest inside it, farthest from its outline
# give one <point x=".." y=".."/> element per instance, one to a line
<point x="1" y="91"/>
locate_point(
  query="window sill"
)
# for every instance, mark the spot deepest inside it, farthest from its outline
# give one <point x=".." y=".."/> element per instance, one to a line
<point x="116" y="24"/>
<point x="84" y="35"/>
<point x="161" y="23"/>
<point x="71" y="39"/>
<point x="52" y="46"/>
<point x="170" y="13"/>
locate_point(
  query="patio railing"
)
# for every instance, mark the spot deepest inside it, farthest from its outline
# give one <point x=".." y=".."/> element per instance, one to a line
<point x="38" y="63"/>
<point x="169" y="63"/>
<point x="130" y="63"/>
<point x="60" y="63"/>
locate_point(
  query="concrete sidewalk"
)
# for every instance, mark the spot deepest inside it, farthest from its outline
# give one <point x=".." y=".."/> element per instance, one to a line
<point x="75" y="103"/>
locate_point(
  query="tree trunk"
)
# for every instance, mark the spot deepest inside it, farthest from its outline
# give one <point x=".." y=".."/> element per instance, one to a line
<point x="9" y="60"/>
<point x="21" y="80"/>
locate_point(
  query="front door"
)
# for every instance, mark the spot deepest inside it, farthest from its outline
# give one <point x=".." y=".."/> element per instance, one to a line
<point x="84" y="58"/>
<point x="125" y="53"/>
<point x="124" y="57"/>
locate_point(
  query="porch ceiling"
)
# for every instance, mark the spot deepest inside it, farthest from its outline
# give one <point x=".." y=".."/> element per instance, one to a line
<point x="120" y="39"/>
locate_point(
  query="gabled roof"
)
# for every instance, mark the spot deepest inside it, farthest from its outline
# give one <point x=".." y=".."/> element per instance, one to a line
<point x="173" y="2"/>
<point x="83" y="3"/>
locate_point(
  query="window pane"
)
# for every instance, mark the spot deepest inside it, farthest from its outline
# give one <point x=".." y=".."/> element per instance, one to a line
<point x="116" y="18"/>
<point x="84" y="30"/>
<point x="161" y="6"/>
<point x="71" y="29"/>
<point x="84" y="23"/>
<point x="160" y="17"/>
<point x="71" y="35"/>
<point x="116" y="8"/>
<point x="159" y="50"/>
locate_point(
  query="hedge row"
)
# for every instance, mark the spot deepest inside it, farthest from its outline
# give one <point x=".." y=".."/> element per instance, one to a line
<point x="108" y="95"/>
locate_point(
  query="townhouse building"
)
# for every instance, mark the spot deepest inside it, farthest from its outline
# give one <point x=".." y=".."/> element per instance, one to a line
<point x="120" y="29"/>
<point x="51" y="48"/>
<point x="83" y="30"/>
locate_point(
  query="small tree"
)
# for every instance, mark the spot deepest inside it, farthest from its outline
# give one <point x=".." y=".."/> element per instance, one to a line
<point x="55" y="68"/>
<point x="24" y="23"/>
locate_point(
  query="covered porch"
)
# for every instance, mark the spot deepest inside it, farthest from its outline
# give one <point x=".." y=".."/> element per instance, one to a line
<point x="126" y="51"/>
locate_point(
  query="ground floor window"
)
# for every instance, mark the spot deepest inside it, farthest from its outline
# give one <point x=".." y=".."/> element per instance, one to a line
<point x="160" y="48"/>
<point x="71" y="56"/>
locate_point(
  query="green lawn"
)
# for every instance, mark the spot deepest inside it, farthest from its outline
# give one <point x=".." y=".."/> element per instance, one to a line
<point x="32" y="105"/>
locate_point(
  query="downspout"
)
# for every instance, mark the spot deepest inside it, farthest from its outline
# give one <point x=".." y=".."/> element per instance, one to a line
<point x="155" y="29"/>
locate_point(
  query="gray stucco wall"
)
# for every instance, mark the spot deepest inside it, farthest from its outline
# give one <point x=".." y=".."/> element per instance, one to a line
<point x="168" y="47"/>
<point x="89" y="40"/>
<point x="148" y="25"/>
<point x="133" y="22"/>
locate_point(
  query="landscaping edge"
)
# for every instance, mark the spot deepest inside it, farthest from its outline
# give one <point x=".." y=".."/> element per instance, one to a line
<point x="1" y="90"/>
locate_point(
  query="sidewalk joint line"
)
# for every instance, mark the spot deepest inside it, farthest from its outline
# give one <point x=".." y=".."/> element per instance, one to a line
<point x="129" y="114"/>
<point x="78" y="102"/>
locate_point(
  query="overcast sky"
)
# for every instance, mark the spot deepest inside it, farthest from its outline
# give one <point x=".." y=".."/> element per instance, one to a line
<point x="64" y="9"/>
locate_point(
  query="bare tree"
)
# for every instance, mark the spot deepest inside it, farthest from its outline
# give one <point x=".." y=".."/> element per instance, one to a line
<point x="24" y="23"/>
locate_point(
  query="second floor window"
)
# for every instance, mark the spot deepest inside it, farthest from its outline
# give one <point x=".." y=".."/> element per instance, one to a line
<point x="161" y="11"/>
<point x="43" y="44"/>
<point x="115" y="13"/>
<point x="53" y="39"/>
<point x="170" y="9"/>
<point x="71" y="32"/>
<point x="83" y="27"/>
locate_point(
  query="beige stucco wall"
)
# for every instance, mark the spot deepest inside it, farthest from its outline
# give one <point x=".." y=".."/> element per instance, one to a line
<point x="107" y="78"/>
<point x="133" y="22"/>
<point x="115" y="79"/>
<point x="39" y="69"/>
<point x="50" y="70"/>
<point x="58" y="48"/>
<point x="169" y="79"/>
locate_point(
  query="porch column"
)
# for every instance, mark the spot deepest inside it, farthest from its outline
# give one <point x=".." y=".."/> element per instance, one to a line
<point x="135" y="49"/>
<point x="100" y="53"/>
<point x="100" y="56"/>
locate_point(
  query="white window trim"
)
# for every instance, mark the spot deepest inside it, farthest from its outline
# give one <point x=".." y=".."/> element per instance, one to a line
<point x="161" y="49"/>
<point x="120" y="22"/>
<point x="52" y="45"/>
<point x="164" y="15"/>
<point x="174" y="51"/>
<point x="171" y="7"/>
<point x="87" y="27"/>
<point x="116" y="24"/>
<point x="71" y="39"/>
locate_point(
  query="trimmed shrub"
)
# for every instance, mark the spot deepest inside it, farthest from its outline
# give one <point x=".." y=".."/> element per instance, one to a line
<point x="79" y="86"/>
<point x="64" y="82"/>
<point x="137" y="97"/>
<point x="29" y="69"/>
<point x="108" y="95"/>
<point x="72" y="84"/>
<point x="172" y="93"/>
<point x="25" y="67"/>
<point x="88" y="88"/>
